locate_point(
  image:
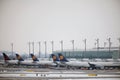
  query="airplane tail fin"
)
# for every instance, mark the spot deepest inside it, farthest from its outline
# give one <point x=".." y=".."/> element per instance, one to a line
<point x="6" y="57"/>
<point x="54" y="57"/>
<point x="19" y="57"/>
<point x="62" y="58"/>
<point x="34" y="58"/>
<point x="92" y="65"/>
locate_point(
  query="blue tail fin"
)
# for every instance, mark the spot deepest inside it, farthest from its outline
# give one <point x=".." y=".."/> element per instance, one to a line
<point x="93" y="66"/>
<point x="19" y="57"/>
<point x="54" y="57"/>
<point x="62" y="58"/>
<point x="34" y="58"/>
<point x="6" y="57"/>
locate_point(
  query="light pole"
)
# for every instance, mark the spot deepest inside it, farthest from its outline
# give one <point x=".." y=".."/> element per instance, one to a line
<point x="52" y="42"/>
<point x="97" y="41"/>
<point x="33" y="46"/>
<point x="45" y="49"/>
<point x="119" y="46"/>
<point x="85" y="43"/>
<point x="73" y="46"/>
<point x="39" y="43"/>
<point x="95" y="44"/>
<point x="12" y="49"/>
<point x="61" y="45"/>
<point x="29" y="48"/>
<point x="109" y="41"/>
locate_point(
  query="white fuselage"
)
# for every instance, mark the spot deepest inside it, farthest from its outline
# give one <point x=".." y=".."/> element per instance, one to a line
<point x="12" y="61"/>
<point x="77" y="64"/>
<point x="50" y="63"/>
<point x="26" y="62"/>
<point x="103" y="64"/>
<point x="2" y="62"/>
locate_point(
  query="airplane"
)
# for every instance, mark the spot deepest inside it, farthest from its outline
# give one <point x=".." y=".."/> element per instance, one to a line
<point x="56" y="60"/>
<point x="66" y="62"/>
<point x="42" y="63"/>
<point x="89" y="64"/>
<point x="21" y="61"/>
<point x="2" y="62"/>
<point x="8" y="61"/>
<point x="104" y="65"/>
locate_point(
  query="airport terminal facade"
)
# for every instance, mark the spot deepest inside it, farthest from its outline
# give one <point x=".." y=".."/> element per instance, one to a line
<point x="91" y="54"/>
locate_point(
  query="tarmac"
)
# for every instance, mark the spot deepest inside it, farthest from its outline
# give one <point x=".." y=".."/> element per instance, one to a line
<point x="57" y="74"/>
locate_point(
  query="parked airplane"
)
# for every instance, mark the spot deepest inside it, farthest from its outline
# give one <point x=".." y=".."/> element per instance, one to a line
<point x="42" y="63"/>
<point x="2" y="62"/>
<point x="8" y="61"/>
<point x="56" y="60"/>
<point x="21" y="61"/>
<point x="104" y="65"/>
<point x="64" y="61"/>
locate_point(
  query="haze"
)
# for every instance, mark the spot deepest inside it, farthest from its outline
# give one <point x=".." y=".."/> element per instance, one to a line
<point x="23" y="21"/>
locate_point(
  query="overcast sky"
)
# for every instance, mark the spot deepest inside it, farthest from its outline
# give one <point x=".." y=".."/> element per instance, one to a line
<point x="22" y="21"/>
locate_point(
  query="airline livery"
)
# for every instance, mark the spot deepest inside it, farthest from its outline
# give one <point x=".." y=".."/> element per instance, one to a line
<point x="8" y="60"/>
<point x="72" y="63"/>
<point x="46" y="63"/>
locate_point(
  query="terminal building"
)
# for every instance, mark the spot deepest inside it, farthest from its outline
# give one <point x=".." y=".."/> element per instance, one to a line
<point x="102" y="53"/>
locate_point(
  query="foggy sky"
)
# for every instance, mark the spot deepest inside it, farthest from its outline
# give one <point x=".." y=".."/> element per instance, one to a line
<point x="22" y="21"/>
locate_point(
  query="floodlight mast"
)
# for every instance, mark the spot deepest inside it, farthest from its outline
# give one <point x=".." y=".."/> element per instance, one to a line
<point x="52" y="42"/>
<point x="85" y="42"/>
<point x="33" y="46"/>
<point x="61" y="45"/>
<point x="119" y="46"/>
<point x="12" y="49"/>
<point x="45" y="49"/>
<point x="72" y="45"/>
<point x="39" y="43"/>
<point x="97" y="42"/>
<point x="29" y="48"/>
<point x="109" y="42"/>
